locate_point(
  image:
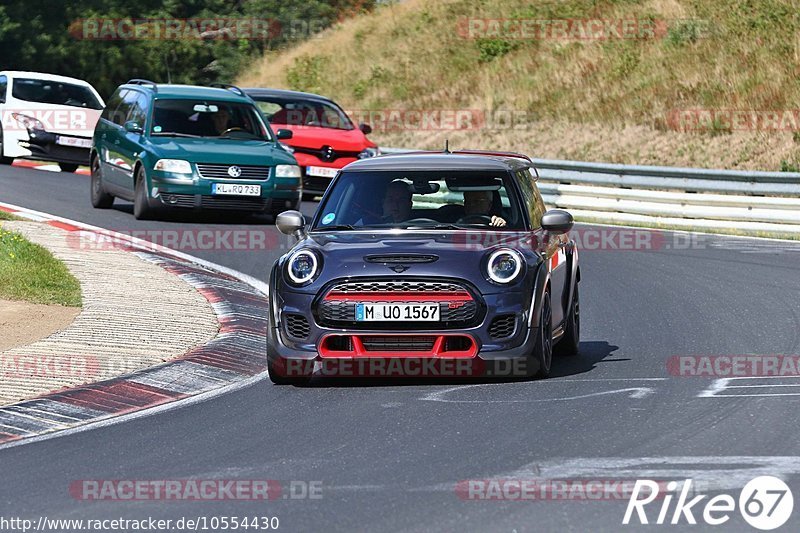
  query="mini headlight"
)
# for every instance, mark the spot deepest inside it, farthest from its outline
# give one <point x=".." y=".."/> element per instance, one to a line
<point x="504" y="265"/>
<point x="302" y="267"/>
<point x="369" y="152"/>
<point x="176" y="166"/>
<point x="287" y="171"/>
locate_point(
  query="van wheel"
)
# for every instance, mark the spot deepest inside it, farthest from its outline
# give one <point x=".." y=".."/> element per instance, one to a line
<point x="100" y="198"/>
<point x="141" y="206"/>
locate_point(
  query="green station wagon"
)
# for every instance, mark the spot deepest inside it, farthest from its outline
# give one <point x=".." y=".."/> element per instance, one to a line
<point x="183" y="146"/>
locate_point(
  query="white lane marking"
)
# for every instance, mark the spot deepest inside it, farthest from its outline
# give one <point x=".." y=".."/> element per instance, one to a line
<point x="634" y="393"/>
<point x="734" y="385"/>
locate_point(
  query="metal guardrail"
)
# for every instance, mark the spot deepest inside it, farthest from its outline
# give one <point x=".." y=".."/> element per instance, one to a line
<point x="690" y="198"/>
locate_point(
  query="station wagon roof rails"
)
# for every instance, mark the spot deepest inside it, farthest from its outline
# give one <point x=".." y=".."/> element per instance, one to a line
<point x="141" y="81"/>
<point x="232" y="88"/>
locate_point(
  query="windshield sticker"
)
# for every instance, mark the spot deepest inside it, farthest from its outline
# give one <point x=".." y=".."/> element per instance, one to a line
<point x="327" y="219"/>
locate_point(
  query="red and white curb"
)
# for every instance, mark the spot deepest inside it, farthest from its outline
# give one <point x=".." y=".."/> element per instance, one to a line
<point x="50" y="167"/>
<point x="236" y="356"/>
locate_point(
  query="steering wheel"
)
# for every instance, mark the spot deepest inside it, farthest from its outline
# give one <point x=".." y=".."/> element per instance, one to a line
<point x="475" y="219"/>
<point x="235" y="128"/>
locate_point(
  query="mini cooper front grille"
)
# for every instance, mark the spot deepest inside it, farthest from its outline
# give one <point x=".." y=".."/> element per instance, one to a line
<point x="224" y="172"/>
<point x="502" y="326"/>
<point x="400" y="258"/>
<point x="399" y="343"/>
<point x="297" y="326"/>
<point x="398" y="286"/>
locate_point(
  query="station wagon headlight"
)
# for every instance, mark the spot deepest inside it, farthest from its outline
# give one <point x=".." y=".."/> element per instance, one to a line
<point x="504" y="265"/>
<point x="287" y="171"/>
<point x="302" y="267"/>
<point x="175" y="166"/>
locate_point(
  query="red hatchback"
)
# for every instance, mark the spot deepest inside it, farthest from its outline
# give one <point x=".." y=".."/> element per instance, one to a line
<point x="324" y="138"/>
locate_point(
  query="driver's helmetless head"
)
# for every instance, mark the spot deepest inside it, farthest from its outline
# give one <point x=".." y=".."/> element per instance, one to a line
<point x="397" y="202"/>
<point x="477" y="202"/>
<point x="220" y="119"/>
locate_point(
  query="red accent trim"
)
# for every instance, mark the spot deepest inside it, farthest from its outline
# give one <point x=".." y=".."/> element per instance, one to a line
<point x="399" y="296"/>
<point x="359" y="350"/>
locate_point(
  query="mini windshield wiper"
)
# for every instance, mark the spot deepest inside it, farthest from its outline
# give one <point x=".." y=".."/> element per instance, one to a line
<point x="175" y="134"/>
<point x="435" y="226"/>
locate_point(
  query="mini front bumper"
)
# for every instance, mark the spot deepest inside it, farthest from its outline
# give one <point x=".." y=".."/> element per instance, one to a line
<point x="507" y="357"/>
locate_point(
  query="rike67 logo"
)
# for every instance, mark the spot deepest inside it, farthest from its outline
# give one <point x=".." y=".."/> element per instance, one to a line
<point x="765" y="503"/>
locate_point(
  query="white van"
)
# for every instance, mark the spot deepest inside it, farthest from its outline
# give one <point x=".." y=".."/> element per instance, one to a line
<point x="47" y="118"/>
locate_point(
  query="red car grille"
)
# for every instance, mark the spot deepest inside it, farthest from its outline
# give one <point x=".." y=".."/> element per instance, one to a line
<point x="398" y="345"/>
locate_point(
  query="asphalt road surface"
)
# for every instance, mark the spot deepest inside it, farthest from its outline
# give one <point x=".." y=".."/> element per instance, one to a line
<point x="389" y="456"/>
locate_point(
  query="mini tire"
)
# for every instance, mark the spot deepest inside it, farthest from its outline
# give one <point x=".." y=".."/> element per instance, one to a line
<point x="100" y="198"/>
<point x="542" y="355"/>
<point x="570" y="343"/>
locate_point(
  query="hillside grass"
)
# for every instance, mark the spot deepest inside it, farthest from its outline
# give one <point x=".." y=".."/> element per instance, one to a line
<point x="605" y="100"/>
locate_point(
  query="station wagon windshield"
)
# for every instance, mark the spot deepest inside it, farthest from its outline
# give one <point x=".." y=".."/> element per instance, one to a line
<point x="207" y="118"/>
<point x="420" y="200"/>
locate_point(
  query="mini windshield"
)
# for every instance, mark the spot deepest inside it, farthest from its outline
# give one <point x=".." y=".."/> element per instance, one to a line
<point x="298" y="112"/>
<point x="54" y="92"/>
<point x="421" y="200"/>
<point x="207" y="118"/>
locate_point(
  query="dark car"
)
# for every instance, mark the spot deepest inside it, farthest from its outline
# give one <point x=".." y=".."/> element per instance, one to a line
<point x="429" y="256"/>
<point x="324" y="138"/>
<point x="183" y="146"/>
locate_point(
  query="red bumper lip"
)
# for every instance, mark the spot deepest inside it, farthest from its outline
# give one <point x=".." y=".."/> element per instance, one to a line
<point x="356" y="346"/>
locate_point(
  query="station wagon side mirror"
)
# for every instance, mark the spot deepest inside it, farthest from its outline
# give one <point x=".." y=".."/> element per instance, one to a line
<point x="365" y="128"/>
<point x="557" y="221"/>
<point x="133" y="127"/>
<point x="291" y="223"/>
<point x="284" y="134"/>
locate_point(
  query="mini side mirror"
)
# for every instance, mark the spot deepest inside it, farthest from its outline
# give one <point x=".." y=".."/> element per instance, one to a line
<point x="291" y="223"/>
<point x="284" y="134"/>
<point x="557" y="221"/>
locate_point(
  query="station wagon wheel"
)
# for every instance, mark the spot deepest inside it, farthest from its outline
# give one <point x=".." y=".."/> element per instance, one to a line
<point x="543" y="349"/>
<point x="141" y="206"/>
<point x="100" y="198"/>
<point x="570" y="342"/>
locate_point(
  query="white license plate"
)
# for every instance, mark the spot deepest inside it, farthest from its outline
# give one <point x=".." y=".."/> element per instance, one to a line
<point x="322" y="172"/>
<point x="236" y="189"/>
<point x="402" y="312"/>
<point x="73" y="141"/>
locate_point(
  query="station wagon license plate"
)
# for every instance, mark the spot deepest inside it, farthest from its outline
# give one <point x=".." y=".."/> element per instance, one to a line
<point x="236" y="189"/>
<point x="73" y="141"/>
<point x="322" y="172"/>
<point x="402" y="312"/>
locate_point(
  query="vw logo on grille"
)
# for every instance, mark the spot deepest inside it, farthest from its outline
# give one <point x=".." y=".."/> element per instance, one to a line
<point x="234" y="171"/>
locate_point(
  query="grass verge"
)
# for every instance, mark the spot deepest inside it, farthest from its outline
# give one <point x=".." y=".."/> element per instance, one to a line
<point x="29" y="272"/>
<point x="7" y="216"/>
